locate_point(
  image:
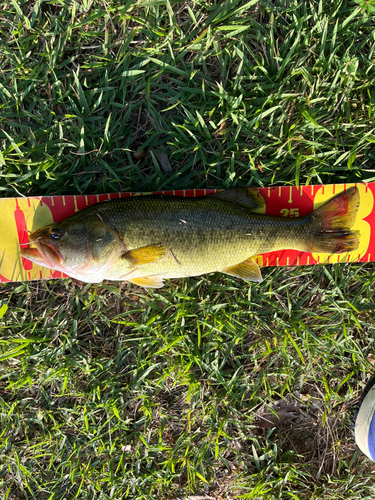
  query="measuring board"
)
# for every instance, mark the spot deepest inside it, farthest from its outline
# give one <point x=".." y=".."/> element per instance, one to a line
<point x="20" y="215"/>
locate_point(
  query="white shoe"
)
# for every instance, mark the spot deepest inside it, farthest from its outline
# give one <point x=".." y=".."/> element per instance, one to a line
<point x="364" y="421"/>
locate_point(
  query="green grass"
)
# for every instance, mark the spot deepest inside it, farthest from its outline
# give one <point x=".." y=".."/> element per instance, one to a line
<point x="108" y="391"/>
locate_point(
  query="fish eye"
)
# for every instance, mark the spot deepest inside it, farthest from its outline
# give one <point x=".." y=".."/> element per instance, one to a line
<point x="55" y="233"/>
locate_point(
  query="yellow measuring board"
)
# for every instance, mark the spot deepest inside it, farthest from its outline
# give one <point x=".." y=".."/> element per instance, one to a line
<point x="19" y="216"/>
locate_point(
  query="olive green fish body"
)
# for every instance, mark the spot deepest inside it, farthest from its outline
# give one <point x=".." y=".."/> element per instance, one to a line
<point x="145" y="239"/>
<point x="202" y="236"/>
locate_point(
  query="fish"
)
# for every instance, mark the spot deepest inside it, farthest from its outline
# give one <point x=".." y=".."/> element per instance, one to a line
<point x="147" y="239"/>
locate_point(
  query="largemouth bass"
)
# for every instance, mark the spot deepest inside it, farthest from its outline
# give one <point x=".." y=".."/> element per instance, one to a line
<point x="146" y="239"/>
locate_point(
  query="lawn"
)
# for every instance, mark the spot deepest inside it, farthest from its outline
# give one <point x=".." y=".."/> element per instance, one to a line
<point x="110" y="391"/>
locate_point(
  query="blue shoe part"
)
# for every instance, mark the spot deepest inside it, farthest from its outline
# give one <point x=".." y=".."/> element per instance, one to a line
<point x="364" y="421"/>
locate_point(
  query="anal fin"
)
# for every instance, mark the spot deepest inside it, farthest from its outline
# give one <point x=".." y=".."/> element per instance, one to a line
<point x="148" y="281"/>
<point x="145" y="255"/>
<point x="247" y="270"/>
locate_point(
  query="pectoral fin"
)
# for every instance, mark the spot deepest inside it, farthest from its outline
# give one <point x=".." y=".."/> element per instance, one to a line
<point x="247" y="270"/>
<point x="145" y="255"/>
<point x="148" y="282"/>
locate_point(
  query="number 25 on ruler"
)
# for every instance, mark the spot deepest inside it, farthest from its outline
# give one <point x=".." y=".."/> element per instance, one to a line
<point x="293" y="212"/>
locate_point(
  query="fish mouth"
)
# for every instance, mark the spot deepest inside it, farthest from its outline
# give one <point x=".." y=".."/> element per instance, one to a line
<point x="44" y="254"/>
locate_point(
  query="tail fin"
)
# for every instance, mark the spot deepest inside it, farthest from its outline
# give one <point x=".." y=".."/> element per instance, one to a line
<point x="332" y="223"/>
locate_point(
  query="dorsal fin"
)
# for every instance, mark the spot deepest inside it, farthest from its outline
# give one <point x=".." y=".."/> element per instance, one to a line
<point x="245" y="197"/>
